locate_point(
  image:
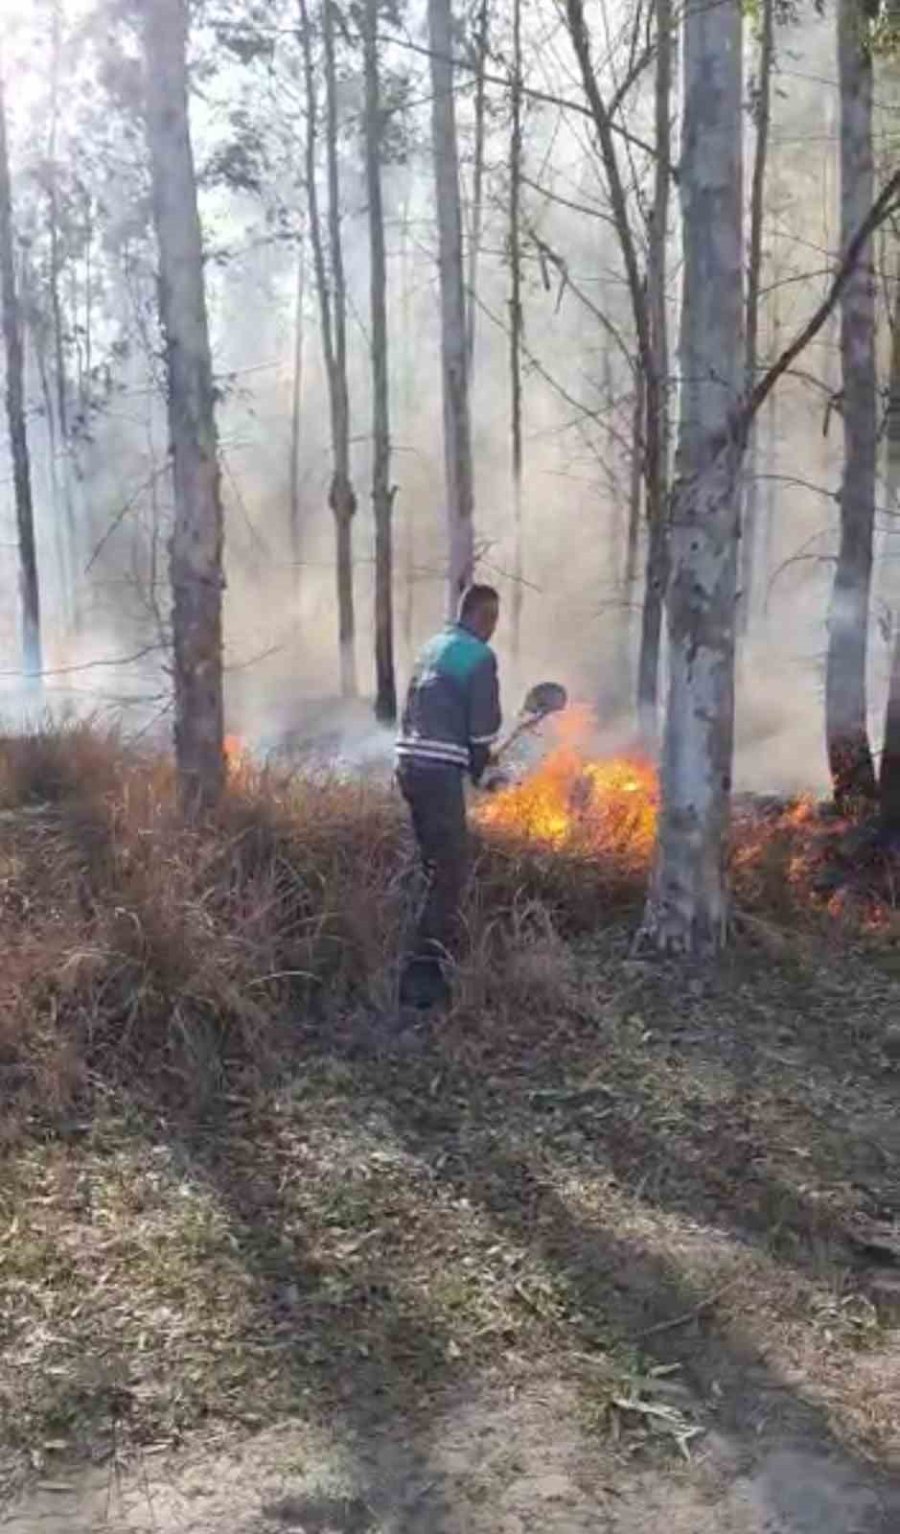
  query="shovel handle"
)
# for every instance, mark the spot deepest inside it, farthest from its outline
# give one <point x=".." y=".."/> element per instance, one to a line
<point x="523" y="726"/>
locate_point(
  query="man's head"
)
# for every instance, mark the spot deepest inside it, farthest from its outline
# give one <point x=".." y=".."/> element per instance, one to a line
<point x="479" y="609"/>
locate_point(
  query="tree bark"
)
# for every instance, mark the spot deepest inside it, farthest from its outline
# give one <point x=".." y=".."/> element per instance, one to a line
<point x="196" y="552"/>
<point x="687" y="907"/>
<point x="846" y="722"/>
<point x="457" y="422"/>
<point x="382" y="493"/>
<point x="750" y="521"/>
<point x="29" y="592"/>
<point x="515" y="324"/>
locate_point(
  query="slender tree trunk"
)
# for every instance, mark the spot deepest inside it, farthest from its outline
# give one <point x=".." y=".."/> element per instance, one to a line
<point x="196" y="554"/>
<point x="889" y="774"/>
<point x="649" y="357"/>
<point x="481" y="48"/>
<point x="342" y="497"/>
<point x="516" y="324"/>
<point x="407" y="396"/>
<point x="686" y="910"/>
<point x="656" y="573"/>
<point x="846" y="722"/>
<point x="763" y="113"/>
<point x="333" y="324"/>
<point x="771" y="500"/>
<point x="635" y="499"/>
<point x="457" y="422"/>
<point x="34" y="325"/>
<point x="29" y="593"/>
<point x="296" y="531"/>
<point x="56" y="311"/>
<point x="382" y="493"/>
<point x="889" y="782"/>
<point x="88" y="306"/>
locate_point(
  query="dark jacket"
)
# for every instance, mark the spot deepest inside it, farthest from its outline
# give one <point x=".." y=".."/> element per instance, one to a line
<point x="452" y="710"/>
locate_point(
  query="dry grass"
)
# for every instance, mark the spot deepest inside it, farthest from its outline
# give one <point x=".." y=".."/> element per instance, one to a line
<point x="229" y="1193"/>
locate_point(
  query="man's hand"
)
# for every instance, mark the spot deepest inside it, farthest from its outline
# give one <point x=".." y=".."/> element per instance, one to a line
<point x="494" y="779"/>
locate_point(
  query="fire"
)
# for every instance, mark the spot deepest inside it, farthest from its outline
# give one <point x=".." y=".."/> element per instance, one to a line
<point x="237" y="756"/>
<point x="572" y="802"/>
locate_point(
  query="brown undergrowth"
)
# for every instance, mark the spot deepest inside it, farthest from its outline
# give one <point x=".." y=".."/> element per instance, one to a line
<point x="232" y="1190"/>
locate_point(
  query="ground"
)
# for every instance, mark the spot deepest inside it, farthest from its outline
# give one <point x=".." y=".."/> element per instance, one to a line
<point x="639" y="1269"/>
<point x="613" y="1247"/>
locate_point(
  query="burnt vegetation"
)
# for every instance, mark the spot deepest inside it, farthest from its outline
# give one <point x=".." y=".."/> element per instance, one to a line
<point x="233" y="1188"/>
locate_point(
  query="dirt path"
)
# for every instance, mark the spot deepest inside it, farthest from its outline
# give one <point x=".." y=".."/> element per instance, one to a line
<point x="494" y="1465"/>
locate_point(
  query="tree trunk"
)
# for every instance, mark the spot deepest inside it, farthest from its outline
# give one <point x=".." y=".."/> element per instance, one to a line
<point x="515" y="323"/>
<point x="29" y="593"/>
<point x="382" y="494"/>
<point x="889" y="782"/>
<point x="296" y="531"/>
<point x="481" y="47"/>
<point x="633" y="541"/>
<point x="889" y="775"/>
<point x="656" y="465"/>
<point x="686" y="910"/>
<point x="196" y="554"/>
<point x="407" y="395"/>
<point x="763" y="104"/>
<point x="333" y="326"/>
<point x="457" y="422"/>
<point x="846" y="723"/>
<point x="650" y="334"/>
<point x="59" y="356"/>
<point x="342" y="497"/>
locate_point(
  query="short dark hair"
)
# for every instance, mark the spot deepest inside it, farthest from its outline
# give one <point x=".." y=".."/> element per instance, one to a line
<point x="474" y="598"/>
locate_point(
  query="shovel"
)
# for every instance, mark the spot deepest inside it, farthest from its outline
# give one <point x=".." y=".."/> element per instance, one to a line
<point x="544" y="699"/>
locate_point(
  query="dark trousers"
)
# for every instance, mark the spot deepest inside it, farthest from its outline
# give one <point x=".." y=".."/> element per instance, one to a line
<point x="437" y="804"/>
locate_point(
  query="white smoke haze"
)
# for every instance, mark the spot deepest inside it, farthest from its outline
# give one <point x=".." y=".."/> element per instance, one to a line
<point x="280" y="619"/>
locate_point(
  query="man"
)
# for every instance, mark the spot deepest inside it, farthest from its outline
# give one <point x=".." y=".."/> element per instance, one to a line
<point x="450" y="721"/>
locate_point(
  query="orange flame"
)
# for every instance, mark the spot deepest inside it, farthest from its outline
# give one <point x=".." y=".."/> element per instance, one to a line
<point x="572" y="802"/>
<point x="237" y="756"/>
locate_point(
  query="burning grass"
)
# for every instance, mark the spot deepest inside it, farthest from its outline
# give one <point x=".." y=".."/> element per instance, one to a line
<point x="227" y="1195"/>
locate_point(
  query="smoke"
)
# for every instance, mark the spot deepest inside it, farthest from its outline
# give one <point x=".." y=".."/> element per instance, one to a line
<point x="282" y="678"/>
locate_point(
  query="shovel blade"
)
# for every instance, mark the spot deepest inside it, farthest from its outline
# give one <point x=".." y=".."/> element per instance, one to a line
<point x="543" y="699"/>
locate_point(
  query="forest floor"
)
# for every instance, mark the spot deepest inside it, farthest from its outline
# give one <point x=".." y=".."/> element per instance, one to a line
<point x="611" y="1248"/>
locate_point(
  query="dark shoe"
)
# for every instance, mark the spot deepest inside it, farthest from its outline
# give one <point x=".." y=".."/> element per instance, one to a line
<point x="423" y="985"/>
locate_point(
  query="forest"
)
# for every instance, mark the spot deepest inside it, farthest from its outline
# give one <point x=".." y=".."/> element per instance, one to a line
<point x="315" y="312"/>
<point x="411" y="296"/>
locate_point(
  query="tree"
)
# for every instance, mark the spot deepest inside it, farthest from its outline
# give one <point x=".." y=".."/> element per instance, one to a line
<point x="29" y="592"/>
<point x="846" y="724"/>
<point x="686" y="909"/>
<point x="477" y="214"/>
<point x="657" y="400"/>
<point x="454" y="366"/>
<point x="382" y="493"/>
<point x="63" y="424"/>
<point x="650" y="341"/>
<point x="342" y="497"/>
<point x="332" y="297"/>
<point x="762" y="104"/>
<point x="196" y="555"/>
<point x="295" y="511"/>
<point x="515" y="320"/>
